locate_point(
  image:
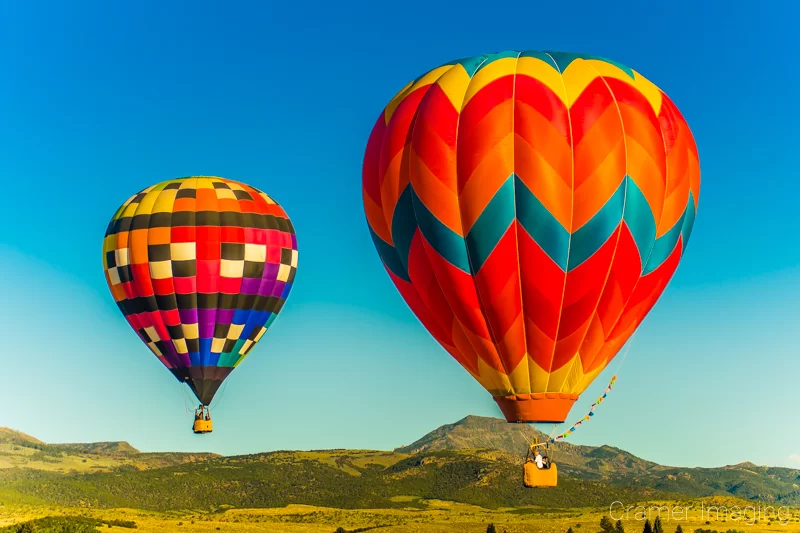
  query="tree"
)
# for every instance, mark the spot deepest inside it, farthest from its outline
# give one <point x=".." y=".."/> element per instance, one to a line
<point x="619" y="527"/>
<point x="491" y="529"/>
<point x="679" y="529"/>
<point x="570" y="530"/>
<point x="657" y="526"/>
<point x="606" y="525"/>
<point x="647" y="527"/>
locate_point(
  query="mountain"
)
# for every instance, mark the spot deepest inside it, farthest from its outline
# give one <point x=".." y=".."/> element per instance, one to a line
<point x="474" y="461"/>
<point x="614" y="466"/>
<point x="476" y="432"/>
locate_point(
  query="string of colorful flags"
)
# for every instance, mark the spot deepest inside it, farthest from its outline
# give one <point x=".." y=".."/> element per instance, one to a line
<point x="589" y="415"/>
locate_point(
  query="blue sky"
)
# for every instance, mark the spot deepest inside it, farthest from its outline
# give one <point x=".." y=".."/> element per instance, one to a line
<point x="99" y="100"/>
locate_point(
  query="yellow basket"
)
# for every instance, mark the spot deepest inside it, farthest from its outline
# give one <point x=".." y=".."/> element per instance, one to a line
<point x="540" y="477"/>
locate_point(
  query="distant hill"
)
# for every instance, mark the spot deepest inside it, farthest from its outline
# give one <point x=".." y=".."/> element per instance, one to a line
<point x="98" y="448"/>
<point x="474" y="461"/>
<point x="9" y="436"/>
<point x="18" y="450"/>
<point x="13" y="438"/>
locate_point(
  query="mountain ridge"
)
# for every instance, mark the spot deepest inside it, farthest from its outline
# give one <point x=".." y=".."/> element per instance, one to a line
<point x="475" y="460"/>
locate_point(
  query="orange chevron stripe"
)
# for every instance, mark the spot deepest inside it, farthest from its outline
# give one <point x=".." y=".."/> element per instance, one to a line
<point x="625" y="272"/>
<point x="486" y="180"/>
<point x="593" y="341"/>
<point x="438" y="197"/>
<point x="646" y="157"/>
<point x="683" y="174"/>
<point x="582" y="292"/>
<point x="542" y="294"/>
<point x="459" y="290"/>
<point x="567" y="347"/>
<point x="489" y="112"/>
<point x="393" y="178"/>
<point x="648" y="290"/>
<point x="544" y="180"/>
<point x="543" y="154"/>
<point x="434" y="137"/>
<point x="535" y="94"/>
<point x="432" y="158"/>
<point x="589" y="108"/>
<point x="647" y="169"/>
<point x="424" y="281"/>
<point x="371" y="182"/>
<point x="498" y="287"/>
<point x="602" y="181"/>
<point x="376" y="218"/>
<point x="485" y="148"/>
<point x="599" y="153"/>
<point x="543" y="290"/>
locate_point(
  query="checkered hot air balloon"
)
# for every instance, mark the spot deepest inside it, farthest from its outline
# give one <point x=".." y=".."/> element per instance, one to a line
<point x="200" y="267"/>
<point x="531" y="207"/>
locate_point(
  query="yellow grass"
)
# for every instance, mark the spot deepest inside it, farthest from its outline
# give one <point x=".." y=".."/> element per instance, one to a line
<point x="438" y="517"/>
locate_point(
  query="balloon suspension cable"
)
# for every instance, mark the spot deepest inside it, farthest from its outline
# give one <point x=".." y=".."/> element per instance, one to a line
<point x="600" y="400"/>
<point x="185" y="405"/>
<point x="218" y="399"/>
<point x="522" y="432"/>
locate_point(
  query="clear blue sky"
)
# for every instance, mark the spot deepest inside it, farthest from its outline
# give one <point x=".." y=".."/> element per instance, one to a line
<point x="98" y="100"/>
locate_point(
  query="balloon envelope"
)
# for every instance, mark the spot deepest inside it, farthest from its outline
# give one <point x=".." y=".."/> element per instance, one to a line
<point x="530" y="208"/>
<point x="200" y="267"/>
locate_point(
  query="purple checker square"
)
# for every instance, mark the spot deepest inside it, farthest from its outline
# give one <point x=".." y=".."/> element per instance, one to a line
<point x="270" y="271"/>
<point x="277" y="289"/>
<point x="266" y="287"/>
<point x="206" y="322"/>
<point x="294" y="241"/>
<point x="250" y="285"/>
<point x="225" y="316"/>
<point x="188" y="316"/>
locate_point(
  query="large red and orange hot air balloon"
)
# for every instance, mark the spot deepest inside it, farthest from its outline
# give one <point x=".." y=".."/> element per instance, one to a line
<point x="531" y="207"/>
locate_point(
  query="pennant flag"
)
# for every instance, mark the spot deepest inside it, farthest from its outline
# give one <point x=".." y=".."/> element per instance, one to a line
<point x="588" y="415"/>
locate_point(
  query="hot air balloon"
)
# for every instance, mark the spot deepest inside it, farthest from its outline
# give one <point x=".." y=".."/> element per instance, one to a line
<point x="200" y="267"/>
<point x="530" y="208"/>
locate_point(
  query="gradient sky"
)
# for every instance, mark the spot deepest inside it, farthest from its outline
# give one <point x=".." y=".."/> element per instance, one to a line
<point x="99" y="100"/>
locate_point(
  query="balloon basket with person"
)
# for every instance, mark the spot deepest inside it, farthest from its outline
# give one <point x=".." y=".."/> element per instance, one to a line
<point x="202" y="420"/>
<point x="539" y="470"/>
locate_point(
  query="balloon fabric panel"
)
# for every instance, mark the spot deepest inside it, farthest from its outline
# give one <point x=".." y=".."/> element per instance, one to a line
<point x="531" y="207"/>
<point x="200" y="267"/>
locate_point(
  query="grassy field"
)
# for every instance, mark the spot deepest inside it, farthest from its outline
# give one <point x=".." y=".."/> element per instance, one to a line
<point x="436" y="517"/>
<point x="91" y="487"/>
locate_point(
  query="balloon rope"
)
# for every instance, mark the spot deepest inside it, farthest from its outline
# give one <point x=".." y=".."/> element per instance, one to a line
<point x="522" y="432"/>
<point x="219" y="399"/>
<point x="590" y="414"/>
<point x="627" y="349"/>
<point x="185" y="405"/>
